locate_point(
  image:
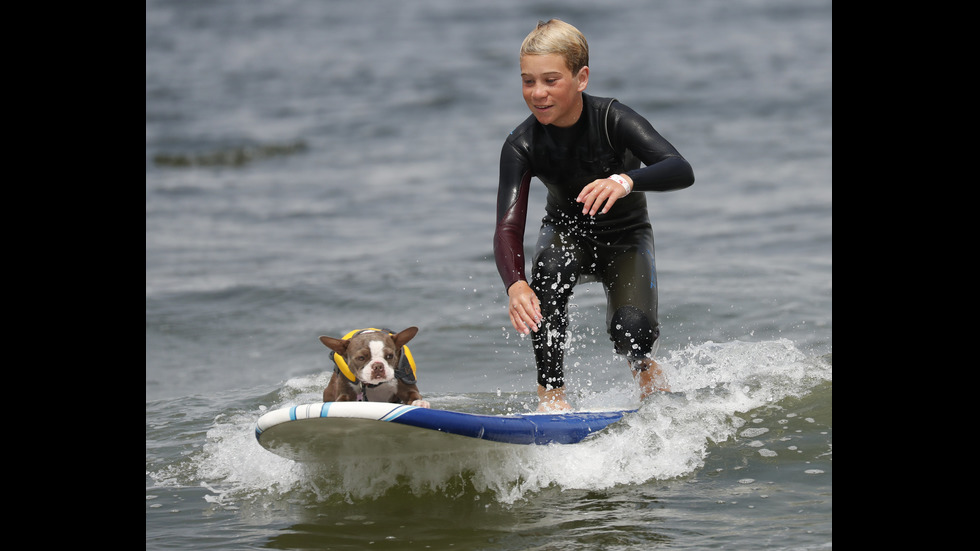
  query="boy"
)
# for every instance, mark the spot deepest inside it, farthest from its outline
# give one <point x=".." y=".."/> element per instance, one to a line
<point x="587" y="151"/>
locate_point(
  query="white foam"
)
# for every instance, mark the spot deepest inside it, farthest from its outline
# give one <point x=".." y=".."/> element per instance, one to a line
<point x="668" y="437"/>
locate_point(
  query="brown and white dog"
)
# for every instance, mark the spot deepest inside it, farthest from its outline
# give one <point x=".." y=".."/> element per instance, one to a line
<point x="372" y="366"/>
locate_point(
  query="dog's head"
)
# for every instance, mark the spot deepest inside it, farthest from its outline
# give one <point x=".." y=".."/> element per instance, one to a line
<point x="370" y="355"/>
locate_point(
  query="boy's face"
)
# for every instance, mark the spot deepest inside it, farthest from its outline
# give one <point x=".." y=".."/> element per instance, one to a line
<point x="551" y="91"/>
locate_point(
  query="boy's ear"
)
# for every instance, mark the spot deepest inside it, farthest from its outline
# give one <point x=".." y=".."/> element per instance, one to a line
<point x="583" y="78"/>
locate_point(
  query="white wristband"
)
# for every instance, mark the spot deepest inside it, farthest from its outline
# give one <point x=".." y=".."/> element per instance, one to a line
<point x="621" y="181"/>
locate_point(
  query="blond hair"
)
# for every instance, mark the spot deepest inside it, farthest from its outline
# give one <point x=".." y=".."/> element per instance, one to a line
<point x="557" y="37"/>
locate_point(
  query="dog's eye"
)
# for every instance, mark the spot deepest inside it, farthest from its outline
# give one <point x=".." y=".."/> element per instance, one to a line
<point x="389" y="356"/>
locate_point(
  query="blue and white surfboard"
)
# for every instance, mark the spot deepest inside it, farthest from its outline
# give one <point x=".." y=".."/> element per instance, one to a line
<point x="325" y="431"/>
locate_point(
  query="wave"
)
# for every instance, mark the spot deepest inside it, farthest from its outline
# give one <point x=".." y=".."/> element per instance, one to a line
<point x="719" y="389"/>
<point x="232" y="156"/>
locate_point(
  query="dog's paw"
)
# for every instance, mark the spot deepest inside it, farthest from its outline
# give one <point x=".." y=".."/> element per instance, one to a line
<point x="421" y="403"/>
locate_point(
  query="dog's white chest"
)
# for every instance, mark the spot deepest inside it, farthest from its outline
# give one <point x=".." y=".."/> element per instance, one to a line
<point x="379" y="393"/>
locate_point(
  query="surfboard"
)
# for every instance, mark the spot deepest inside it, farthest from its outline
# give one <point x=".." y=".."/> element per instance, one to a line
<point x="332" y="431"/>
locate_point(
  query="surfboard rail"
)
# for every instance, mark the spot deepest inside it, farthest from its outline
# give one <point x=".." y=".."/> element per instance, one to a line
<point x="279" y="430"/>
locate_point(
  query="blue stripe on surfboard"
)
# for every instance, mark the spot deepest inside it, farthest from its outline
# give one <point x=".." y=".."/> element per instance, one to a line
<point x="398" y="412"/>
<point x="521" y="429"/>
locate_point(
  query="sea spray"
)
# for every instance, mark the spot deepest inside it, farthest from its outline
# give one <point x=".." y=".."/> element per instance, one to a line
<point x="715" y="386"/>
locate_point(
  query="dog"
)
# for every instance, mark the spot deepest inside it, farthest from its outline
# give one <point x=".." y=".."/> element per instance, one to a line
<point x="373" y="365"/>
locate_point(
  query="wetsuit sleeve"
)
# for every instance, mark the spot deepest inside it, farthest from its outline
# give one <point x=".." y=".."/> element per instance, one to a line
<point x="665" y="170"/>
<point x="512" y="194"/>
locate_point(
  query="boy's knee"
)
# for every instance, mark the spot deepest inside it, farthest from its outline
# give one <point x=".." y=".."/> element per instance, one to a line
<point x="633" y="333"/>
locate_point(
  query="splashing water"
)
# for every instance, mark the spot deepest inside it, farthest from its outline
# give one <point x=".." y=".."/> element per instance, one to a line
<point x="670" y="436"/>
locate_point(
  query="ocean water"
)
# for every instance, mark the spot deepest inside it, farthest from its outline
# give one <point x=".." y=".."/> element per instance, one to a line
<point x="316" y="167"/>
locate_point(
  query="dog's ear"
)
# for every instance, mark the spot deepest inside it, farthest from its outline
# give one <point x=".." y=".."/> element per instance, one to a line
<point x="337" y="345"/>
<point x="404" y="336"/>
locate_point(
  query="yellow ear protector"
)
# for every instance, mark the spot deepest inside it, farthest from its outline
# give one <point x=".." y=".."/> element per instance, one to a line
<point x="342" y="364"/>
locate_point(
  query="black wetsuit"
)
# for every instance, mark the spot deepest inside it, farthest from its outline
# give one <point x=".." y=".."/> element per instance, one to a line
<point x="616" y="247"/>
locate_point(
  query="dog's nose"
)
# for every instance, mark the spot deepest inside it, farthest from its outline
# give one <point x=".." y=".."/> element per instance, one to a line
<point x="378" y="369"/>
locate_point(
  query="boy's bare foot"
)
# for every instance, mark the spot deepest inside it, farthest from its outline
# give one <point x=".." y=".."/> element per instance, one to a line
<point x="552" y="400"/>
<point x="650" y="377"/>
